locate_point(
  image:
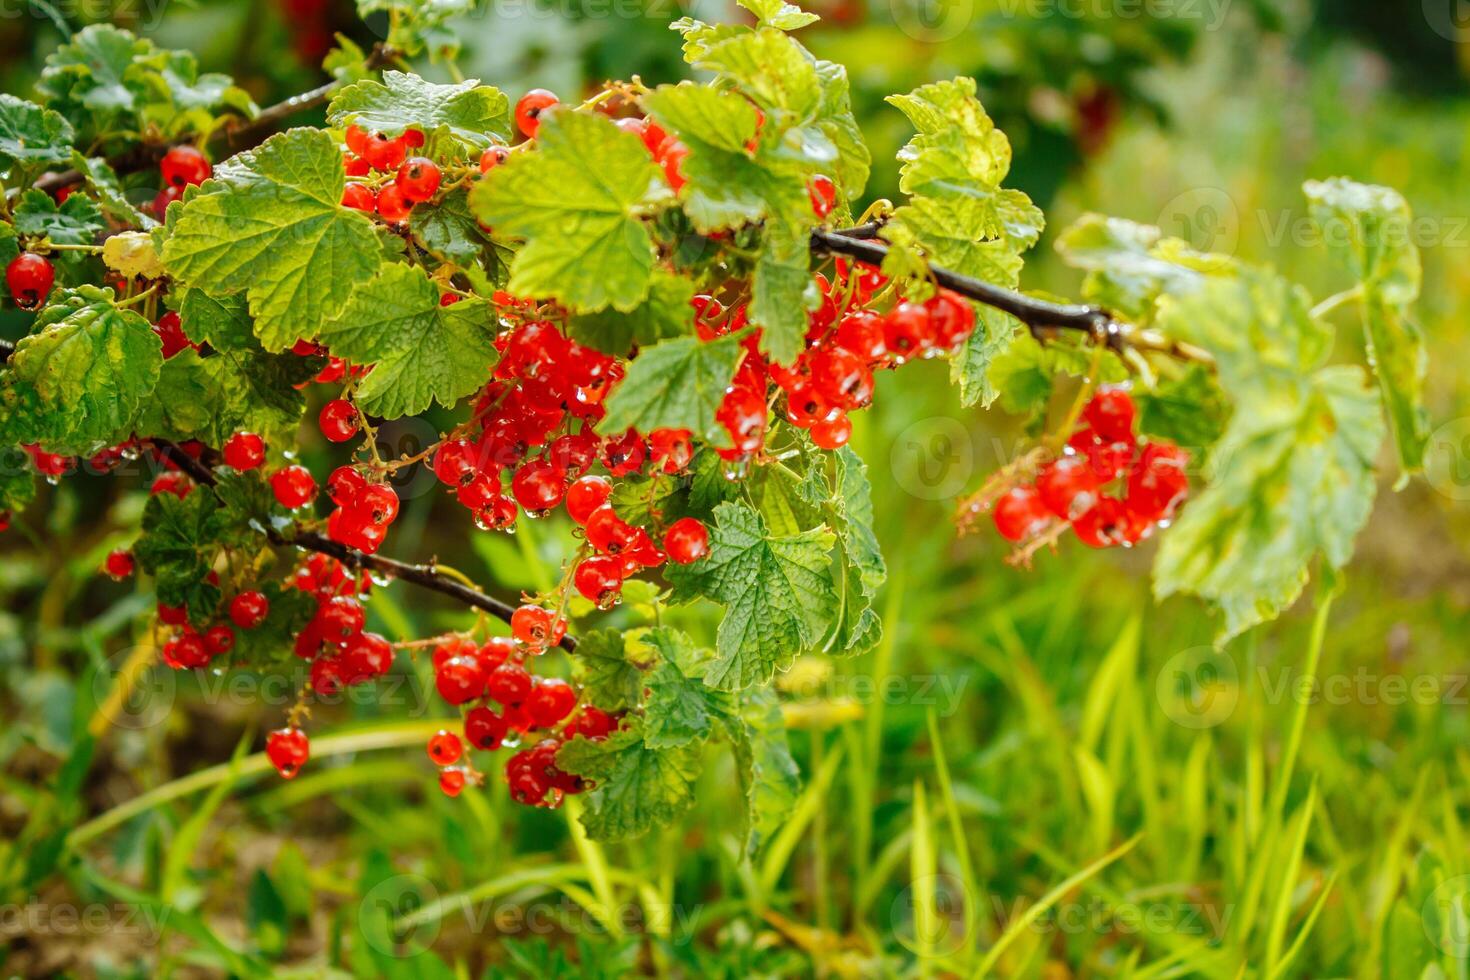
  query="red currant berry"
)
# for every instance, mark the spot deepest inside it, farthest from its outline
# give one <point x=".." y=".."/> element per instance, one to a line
<point x="538" y="486"/>
<point x="1102" y="525"/>
<point x="249" y="609"/>
<point x="862" y="334"/>
<point x="344" y="485"/>
<point x="1067" y="487"/>
<point x="1158" y="483"/>
<point x="586" y="495"/>
<point x="418" y="179"/>
<point x="359" y="197"/>
<point x="624" y="455"/>
<point x="288" y="749"/>
<point x="393" y="207"/>
<point x="219" y="639"/>
<point x="842" y="377"/>
<point x="600" y="580"/>
<point x="293" y="486"/>
<point x="327" y="676"/>
<point x="536" y="627"/>
<point x="172" y="615"/>
<point x="184" y="165"/>
<point x="592" y="722"/>
<point x="244" y="451"/>
<point x="952" y="317"/>
<point x="493" y="158"/>
<point x="1111" y="413"/>
<point x="551" y="700"/>
<point x="509" y="684"/>
<point x="451" y="781"/>
<point x="484" y="729"/>
<point x="743" y="414"/>
<point x="445" y="748"/>
<point x="1019" y="514"/>
<point x="908" y="331"/>
<point x="686" y="541"/>
<point x="379" y="502"/>
<point x="454" y="462"/>
<point x="356" y="139"/>
<point x="164" y="198"/>
<point x="459" y="680"/>
<point x="653" y="135"/>
<point x="609" y="533"/>
<point x="674" y="448"/>
<point x="118" y="564"/>
<point x="338" y="420"/>
<point x="832" y="433"/>
<point x="672" y="161"/>
<point x="530" y="108"/>
<point x="823" y="194"/>
<point x="368" y="655"/>
<point x="170" y="331"/>
<point x="30" y="277"/>
<point x="384" y="152"/>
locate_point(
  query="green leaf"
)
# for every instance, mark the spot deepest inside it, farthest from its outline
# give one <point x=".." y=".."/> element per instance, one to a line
<point x="676" y="384"/>
<point x="610" y="679"/>
<point x="664" y="315"/>
<point x="17" y="485"/>
<point x="179" y="537"/>
<point x="779" y="14"/>
<point x="576" y="200"/>
<point x="768" y="66"/>
<point x="957" y="143"/>
<point x="769" y="777"/>
<point x="681" y="709"/>
<point x="777" y="591"/>
<point x="638" y="788"/>
<point x="421" y="351"/>
<point x="469" y="114"/>
<point x="80" y="377"/>
<point x="9" y="249"/>
<point x="1295" y="467"/>
<point x="858" y="562"/>
<point x="270" y="224"/>
<point x="450" y="233"/>
<point x="107" y="188"/>
<point x="840" y="126"/>
<point x="970" y="367"/>
<point x="31" y="136"/>
<point x="77" y="221"/>
<point x="1371" y="229"/>
<point x="782" y="293"/>
<point x="211" y="398"/>
<point x="1189" y="410"/>
<point x="222" y="322"/>
<point x="1025" y="370"/>
<point x="273" y="640"/>
<point x="1130" y="265"/>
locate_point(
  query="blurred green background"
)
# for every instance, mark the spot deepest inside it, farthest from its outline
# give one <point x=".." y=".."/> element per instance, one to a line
<point x="1015" y="726"/>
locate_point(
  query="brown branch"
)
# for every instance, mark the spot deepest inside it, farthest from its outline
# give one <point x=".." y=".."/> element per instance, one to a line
<point x="425" y="576"/>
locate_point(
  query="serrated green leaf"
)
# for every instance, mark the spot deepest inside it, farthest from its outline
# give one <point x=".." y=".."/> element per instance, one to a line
<point x="637" y="788"/>
<point x="1025" y="371"/>
<point x="680" y="708"/>
<point x="270" y="224"/>
<point x="676" y="384"/>
<point x="782" y="293"/>
<point x="769" y="778"/>
<point x="576" y="200"/>
<point x="957" y="142"/>
<point x="1188" y="411"/>
<point x="610" y="678"/>
<point x="1371" y="229"/>
<point x="1130" y="265"/>
<point x="777" y="592"/>
<point x="994" y="333"/>
<point x="421" y="350"/>
<point x="17" y="486"/>
<point x="776" y="491"/>
<point x="31" y="136"/>
<point x="211" y="398"/>
<point x="1294" y="472"/>
<point x="779" y="14"/>
<point x="222" y="322"/>
<point x="9" y="249"/>
<point x="103" y="182"/>
<point x="768" y="66"/>
<point x="840" y="126"/>
<point x="179" y="536"/>
<point x="959" y="232"/>
<point x="472" y="115"/>
<point x="450" y="233"/>
<point x="76" y="221"/>
<point x="80" y="377"/>
<point x="664" y="315"/>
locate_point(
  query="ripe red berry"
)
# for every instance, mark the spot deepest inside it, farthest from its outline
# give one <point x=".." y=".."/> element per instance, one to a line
<point x="164" y="198"/>
<point x="609" y="533"/>
<point x="586" y="495"/>
<point x="952" y="317"/>
<point x="686" y="541"/>
<point x="459" y="680"/>
<point x="1158" y="483"/>
<point x="1110" y="413"/>
<point x="293" y="486"/>
<point x="367" y="655"/>
<point x="599" y="579"/>
<point x="445" y="748"/>
<point x="823" y="194"/>
<point x="484" y="729"/>
<point x="1019" y="513"/>
<point x="118" y="564"/>
<point x="907" y="331"/>
<point x="592" y="722"/>
<point x="536" y="627"/>
<point x="288" y="749"/>
<point x="359" y="197"/>
<point x="338" y="420"/>
<point x="170" y="331"/>
<point x="418" y="179"/>
<point x="743" y="414"/>
<point x="378" y="502"/>
<point x="550" y="701"/>
<point x="249" y="609"/>
<point x="184" y="165"/>
<point x="530" y="108"/>
<point x="672" y="161"/>
<point x="393" y="207"/>
<point x="509" y="684"/>
<point x="384" y="152"/>
<point x="842" y="377"/>
<point x="832" y="433"/>
<point x="1103" y="525"/>
<point x="1067" y="487"/>
<point x="172" y="615"/>
<point x="493" y="158"/>
<point x="244" y="451"/>
<point x="219" y="639"/>
<point x="454" y="462"/>
<point x="30" y="277"/>
<point x="451" y="781"/>
<point x="538" y="486"/>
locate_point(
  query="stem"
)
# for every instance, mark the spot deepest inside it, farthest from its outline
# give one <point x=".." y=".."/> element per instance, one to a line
<point x="426" y="576"/>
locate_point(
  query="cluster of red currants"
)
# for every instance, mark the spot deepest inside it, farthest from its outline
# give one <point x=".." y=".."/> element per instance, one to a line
<point x="1074" y="489"/>
<point x="415" y="179"/>
<point x="190" y="647"/>
<point x="341" y="651"/>
<point x="182" y="166"/>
